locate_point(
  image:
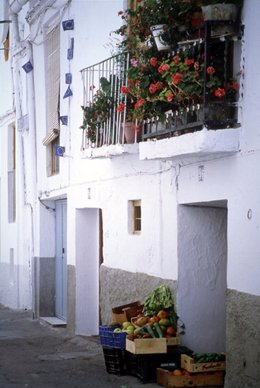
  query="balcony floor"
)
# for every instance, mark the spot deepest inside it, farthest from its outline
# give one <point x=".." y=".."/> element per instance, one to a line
<point x="204" y="144"/>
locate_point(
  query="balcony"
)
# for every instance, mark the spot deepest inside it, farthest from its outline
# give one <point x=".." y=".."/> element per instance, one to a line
<point x="198" y="123"/>
<point x="103" y="124"/>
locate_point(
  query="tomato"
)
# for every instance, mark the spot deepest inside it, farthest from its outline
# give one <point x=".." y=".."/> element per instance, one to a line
<point x="171" y="331"/>
<point x="162" y="314"/>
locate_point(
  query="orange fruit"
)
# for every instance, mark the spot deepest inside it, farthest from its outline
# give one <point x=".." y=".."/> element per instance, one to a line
<point x="177" y="372"/>
<point x="162" y="314"/>
<point x="171" y="331"/>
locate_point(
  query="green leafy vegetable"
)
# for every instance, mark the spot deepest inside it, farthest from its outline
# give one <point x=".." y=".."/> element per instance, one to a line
<point x="157" y="300"/>
<point x="161" y="299"/>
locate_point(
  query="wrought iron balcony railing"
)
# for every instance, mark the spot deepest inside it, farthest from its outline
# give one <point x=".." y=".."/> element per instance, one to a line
<point x="105" y="124"/>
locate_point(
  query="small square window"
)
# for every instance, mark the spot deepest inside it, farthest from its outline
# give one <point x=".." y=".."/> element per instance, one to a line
<point x="135" y="217"/>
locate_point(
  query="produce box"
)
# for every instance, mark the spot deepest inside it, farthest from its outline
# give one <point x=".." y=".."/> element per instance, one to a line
<point x="125" y="312"/>
<point x="166" y="379"/>
<point x="190" y="365"/>
<point x="146" y="345"/>
<point x="109" y="338"/>
<point x="151" y="345"/>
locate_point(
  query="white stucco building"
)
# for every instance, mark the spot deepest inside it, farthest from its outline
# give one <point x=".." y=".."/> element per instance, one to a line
<point x="67" y="242"/>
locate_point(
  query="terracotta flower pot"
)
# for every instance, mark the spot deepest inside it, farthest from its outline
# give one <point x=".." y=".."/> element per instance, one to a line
<point x="129" y="132"/>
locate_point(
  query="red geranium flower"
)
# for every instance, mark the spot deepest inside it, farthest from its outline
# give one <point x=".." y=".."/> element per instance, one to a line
<point x="170" y="97"/>
<point x="188" y="62"/>
<point x="176" y="78"/>
<point x="130" y="83"/>
<point x="159" y="85"/>
<point x="219" y="92"/>
<point x="176" y="59"/>
<point x="152" y="88"/>
<point x="121" y="107"/>
<point x="139" y="103"/>
<point x="124" y="89"/>
<point x="153" y="61"/>
<point x="163" y="68"/>
<point x="211" y="70"/>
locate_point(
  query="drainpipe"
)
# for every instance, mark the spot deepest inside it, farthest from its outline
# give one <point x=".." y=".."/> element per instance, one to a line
<point x="29" y="199"/>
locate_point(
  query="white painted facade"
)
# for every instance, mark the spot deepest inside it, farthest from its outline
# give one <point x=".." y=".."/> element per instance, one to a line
<point x="216" y="171"/>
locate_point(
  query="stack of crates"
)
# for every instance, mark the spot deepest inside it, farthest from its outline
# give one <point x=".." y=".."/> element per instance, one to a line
<point x="113" y="345"/>
<point x="143" y="366"/>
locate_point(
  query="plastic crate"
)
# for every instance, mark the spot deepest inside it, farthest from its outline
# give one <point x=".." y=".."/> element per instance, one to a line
<point x="144" y="366"/>
<point x="115" y="360"/>
<point x="131" y="363"/>
<point x="109" y="338"/>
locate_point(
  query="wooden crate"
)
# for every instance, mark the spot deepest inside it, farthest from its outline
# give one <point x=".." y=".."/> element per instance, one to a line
<point x="171" y="341"/>
<point x="151" y="345"/>
<point x="166" y="379"/>
<point x="189" y="364"/>
<point x="146" y="345"/>
<point x="125" y="312"/>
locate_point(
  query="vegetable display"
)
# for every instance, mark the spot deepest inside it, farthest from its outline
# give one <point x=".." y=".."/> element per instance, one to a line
<point x="159" y="301"/>
<point x="158" y="318"/>
<point x="208" y="357"/>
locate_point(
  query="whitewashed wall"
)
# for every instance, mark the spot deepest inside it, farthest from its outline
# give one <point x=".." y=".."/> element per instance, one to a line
<point x="16" y="238"/>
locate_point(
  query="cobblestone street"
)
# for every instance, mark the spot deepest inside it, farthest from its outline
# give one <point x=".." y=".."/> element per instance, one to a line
<point x="34" y="354"/>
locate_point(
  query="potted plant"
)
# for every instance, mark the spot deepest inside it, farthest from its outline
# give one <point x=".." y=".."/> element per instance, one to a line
<point x="160" y="22"/>
<point x="162" y="81"/>
<point x="97" y="112"/>
<point x="175" y="83"/>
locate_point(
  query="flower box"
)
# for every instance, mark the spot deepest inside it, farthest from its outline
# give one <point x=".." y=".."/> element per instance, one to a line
<point x="166" y="379"/>
<point x="189" y="364"/>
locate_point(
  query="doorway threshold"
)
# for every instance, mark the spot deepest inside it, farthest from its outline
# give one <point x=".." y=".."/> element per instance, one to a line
<point x="54" y="321"/>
